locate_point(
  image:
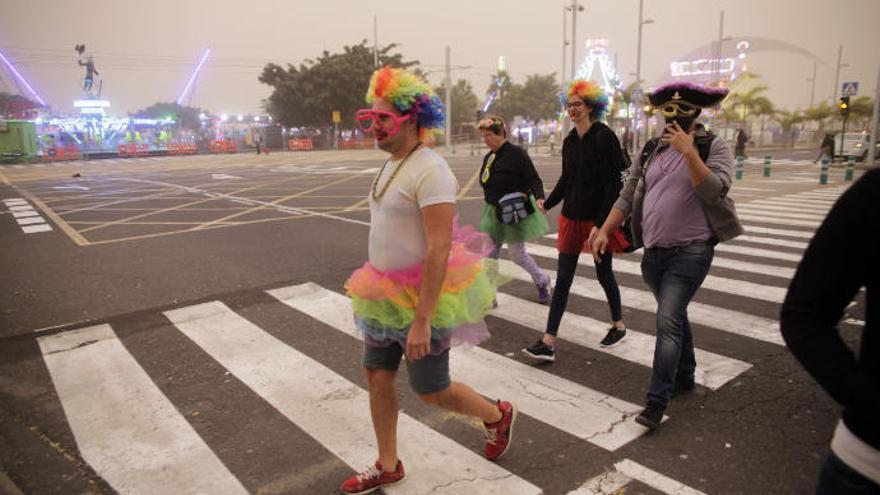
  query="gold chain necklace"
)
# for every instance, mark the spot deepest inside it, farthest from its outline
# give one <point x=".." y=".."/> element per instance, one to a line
<point x="393" y="174"/>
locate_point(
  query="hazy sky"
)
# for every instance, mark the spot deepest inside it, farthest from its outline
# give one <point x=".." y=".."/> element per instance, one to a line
<point x="146" y="50"/>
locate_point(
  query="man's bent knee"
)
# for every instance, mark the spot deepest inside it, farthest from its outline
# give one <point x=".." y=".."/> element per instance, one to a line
<point x="442" y="398"/>
<point x="379" y="378"/>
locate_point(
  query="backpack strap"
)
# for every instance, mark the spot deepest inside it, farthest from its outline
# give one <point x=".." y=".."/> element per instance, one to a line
<point x="704" y="145"/>
<point x="647" y="151"/>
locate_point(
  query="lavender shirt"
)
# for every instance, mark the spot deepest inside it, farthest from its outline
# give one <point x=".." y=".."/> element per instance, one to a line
<point x="673" y="214"/>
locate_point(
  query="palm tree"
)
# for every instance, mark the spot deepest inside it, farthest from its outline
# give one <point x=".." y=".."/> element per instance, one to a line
<point x="788" y="119"/>
<point x="820" y="114"/>
<point x="762" y="108"/>
<point x="861" y="110"/>
<point x="745" y="102"/>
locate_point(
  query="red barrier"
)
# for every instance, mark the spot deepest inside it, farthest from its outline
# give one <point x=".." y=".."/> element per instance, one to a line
<point x="226" y="146"/>
<point x="62" y="153"/>
<point x="300" y="144"/>
<point x="366" y="144"/>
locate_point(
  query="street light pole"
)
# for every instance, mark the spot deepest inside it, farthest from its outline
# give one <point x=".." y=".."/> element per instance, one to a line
<point x="564" y="44"/>
<point x="638" y="104"/>
<point x="813" y="86"/>
<point x="375" y="42"/>
<point x="448" y="99"/>
<point x="837" y="73"/>
<point x="872" y="144"/>
<point x="575" y="8"/>
<point x="716" y="74"/>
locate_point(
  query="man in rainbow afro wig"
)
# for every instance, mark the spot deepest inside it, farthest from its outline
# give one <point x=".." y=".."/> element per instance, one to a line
<point x="426" y="286"/>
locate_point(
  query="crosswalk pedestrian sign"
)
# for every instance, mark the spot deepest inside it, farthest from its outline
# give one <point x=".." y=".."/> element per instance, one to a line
<point x="850" y="89"/>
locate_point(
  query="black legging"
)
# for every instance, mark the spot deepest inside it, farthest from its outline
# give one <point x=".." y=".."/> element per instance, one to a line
<point x="566" y="267"/>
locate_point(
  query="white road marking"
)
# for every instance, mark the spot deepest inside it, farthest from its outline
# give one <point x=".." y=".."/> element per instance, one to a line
<point x="124" y="427"/>
<point x="334" y="411"/>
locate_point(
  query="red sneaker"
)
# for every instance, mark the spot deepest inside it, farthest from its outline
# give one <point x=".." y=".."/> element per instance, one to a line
<point x="500" y="434"/>
<point x="372" y="479"/>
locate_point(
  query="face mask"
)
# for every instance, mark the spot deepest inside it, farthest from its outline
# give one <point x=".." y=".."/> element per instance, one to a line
<point x="684" y="122"/>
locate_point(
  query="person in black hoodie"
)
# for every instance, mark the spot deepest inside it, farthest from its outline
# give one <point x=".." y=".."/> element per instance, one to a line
<point x="841" y="259"/>
<point x="510" y="185"/>
<point x="592" y="164"/>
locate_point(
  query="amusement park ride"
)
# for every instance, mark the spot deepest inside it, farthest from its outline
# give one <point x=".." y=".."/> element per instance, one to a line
<point x="94" y="131"/>
<point x="599" y="66"/>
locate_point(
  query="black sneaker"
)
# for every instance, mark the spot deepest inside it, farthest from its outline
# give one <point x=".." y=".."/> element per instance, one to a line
<point x="541" y="352"/>
<point x="651" y="416"/>
<point x="683" y="385"/>
<point x="613" y="337"/>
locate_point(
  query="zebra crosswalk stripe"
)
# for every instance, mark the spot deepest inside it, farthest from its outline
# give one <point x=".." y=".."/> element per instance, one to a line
<point x="780" y="214"/>
<point x="772" y="241"/>
<point x="628" y="470"/>
<point x="600" y="419"/>
<point x="784" y="209"/>
<point x="713" y="370"/>
<point x="335" y="411"/>
<point x="758" y="252"/>
<point x="774" y="220"/>
<point x="754" y="229"/>
<point x="725" y="320"/>
<point x="713" y="282"/>
<point x="791" y="203"/>
<point x="124" y="427"/>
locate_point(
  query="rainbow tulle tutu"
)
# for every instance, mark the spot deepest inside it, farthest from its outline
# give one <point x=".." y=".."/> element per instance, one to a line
<point x="384" y="302"/>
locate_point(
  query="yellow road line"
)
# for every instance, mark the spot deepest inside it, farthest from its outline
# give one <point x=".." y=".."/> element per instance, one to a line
<point x="276" y="202"/>
<point x="214" y="227"/>
<point x="164" y="210"/>
<point x="74" y="235"/>
<point x="464" y="190"/>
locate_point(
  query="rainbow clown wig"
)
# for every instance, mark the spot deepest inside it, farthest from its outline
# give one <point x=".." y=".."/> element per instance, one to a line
<point x="409" y="94"/>
<point x="591" y="93"/>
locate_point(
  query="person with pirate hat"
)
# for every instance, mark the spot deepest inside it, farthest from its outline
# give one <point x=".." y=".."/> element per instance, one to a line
<point x="677" y="198"/>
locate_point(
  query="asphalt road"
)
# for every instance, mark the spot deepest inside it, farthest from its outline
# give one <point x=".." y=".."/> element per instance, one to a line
<point x="106" y="370"/>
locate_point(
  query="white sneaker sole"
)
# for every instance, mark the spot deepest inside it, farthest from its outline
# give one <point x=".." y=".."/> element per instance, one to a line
<point x="371" y="490"/>
<point x="608" y="346"/>
<point x="536" y="357"/>
<point x="509" y="433"/>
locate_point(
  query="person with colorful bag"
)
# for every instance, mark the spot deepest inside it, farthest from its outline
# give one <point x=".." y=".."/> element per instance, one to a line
<point x="510" y="187"/>
<point x="592" y="163"/>
<point x="426" y="286"/>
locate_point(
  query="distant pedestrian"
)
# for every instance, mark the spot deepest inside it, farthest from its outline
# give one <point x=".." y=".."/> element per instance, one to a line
<point x="826" y="149"/>
<point x="511" y="185"/>
<point x="741" y="140"/>
<point x="258" y="142"/>
<point x="840" y="260"/>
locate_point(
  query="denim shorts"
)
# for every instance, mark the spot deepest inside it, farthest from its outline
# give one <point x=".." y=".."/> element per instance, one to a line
<point x="428" y="375"/>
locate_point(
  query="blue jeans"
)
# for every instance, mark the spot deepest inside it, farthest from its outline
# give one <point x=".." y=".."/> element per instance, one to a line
<point x="837" y="478"/>
<point x="674" y="275"/>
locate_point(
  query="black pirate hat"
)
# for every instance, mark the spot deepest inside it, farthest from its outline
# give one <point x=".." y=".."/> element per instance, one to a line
<point x="685" y="92"/>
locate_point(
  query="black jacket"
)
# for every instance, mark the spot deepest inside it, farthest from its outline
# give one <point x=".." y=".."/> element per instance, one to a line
<point x="591" y="174"/>
<point x="841" y="259"/>
<point x="511" y="171"/>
